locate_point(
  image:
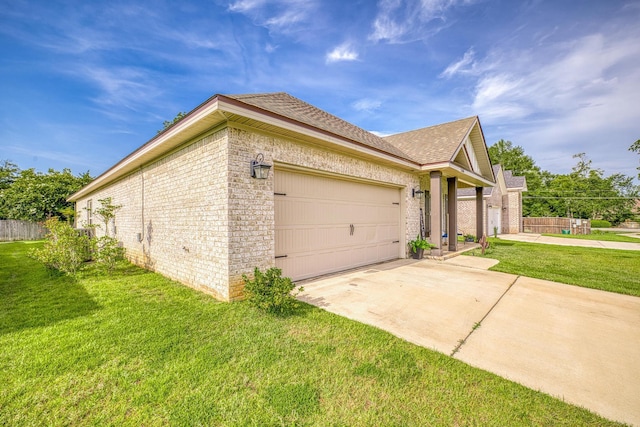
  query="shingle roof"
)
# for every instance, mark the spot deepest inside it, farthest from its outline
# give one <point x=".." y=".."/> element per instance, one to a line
<point x="433" y="144"/>
<point x="293" y="108"/>
<point x="514" y="181"/>
<point x="510" y="180"/>
<point x="486" y="191"/>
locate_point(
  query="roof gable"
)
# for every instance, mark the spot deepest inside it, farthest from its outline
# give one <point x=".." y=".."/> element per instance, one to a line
<point x="434" y="144"/>
<point x="460" y="142"/>
<point x="515" y="182"/>
<point x="488" y="191"/>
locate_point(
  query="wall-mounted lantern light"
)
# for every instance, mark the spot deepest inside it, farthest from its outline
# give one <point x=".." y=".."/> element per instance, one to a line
<point x="259" y="170"/>
<point x="417" y="193"/>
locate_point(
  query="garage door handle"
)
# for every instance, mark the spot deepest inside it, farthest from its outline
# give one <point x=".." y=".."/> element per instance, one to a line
<point x="281" y="256"/>
<point x="396" y="241"/>
<point x="352" y="228"/>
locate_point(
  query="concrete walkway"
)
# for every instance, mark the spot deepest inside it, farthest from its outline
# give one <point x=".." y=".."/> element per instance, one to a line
<point x="537" y="238"/>
<point x="580" y="345"/>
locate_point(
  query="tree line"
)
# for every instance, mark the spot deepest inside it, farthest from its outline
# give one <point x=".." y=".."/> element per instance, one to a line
<point x="35" y="196"/>
<point x="585" y="192"/>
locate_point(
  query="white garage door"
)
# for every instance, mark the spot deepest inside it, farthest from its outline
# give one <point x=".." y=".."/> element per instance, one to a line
<point x="325" y="225"/>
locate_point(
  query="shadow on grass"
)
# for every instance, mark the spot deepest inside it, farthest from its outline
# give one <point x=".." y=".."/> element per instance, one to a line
<point x="31" y="297"/>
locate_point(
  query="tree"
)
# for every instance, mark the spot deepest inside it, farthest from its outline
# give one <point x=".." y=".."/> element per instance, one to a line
<point x="635" y="147"/>
<point x="8" y="173"/>
<point x="36" y="196"/>
<point x="107" y="212"/>
<point x="167" y="124"/>
<point x="584" y="193"/>
<point x="587" y="193"/>
<point x="513" y="158"/>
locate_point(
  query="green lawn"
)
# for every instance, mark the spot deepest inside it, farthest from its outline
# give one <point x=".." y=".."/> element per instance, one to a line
<point x="608" y="236"/>
<point x="137" y="349"/>
<point x="606" y="269"/>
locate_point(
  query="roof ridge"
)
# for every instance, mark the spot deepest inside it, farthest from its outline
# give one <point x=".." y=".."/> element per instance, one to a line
<point x="433" y="126"/>
<point x="287" y="105"/>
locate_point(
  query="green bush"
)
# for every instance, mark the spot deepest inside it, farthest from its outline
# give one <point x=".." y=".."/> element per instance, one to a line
<point x="65" y="249"/>
<point x="600" y="223"/>
<point x="108" y="252"/>
<point x="270" y="292"/>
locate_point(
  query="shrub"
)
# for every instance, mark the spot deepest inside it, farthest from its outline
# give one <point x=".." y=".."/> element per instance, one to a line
<point x="65" y="249"/>
<point x="108" y="252"/>
<point x="600" y="223"/>
<point x="270" y="292"/>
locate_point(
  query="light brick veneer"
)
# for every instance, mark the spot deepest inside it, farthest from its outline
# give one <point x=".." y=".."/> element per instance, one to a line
<point x="205" y="222"/>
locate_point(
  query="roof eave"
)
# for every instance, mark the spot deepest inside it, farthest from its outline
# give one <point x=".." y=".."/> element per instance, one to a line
<point x="465" y="176"/>
<point x="172" y="137"/>
<point x="249" y="111"/>
<point x="186" y="129"/>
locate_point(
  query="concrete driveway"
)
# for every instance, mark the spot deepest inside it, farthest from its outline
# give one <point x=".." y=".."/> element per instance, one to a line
<point x="580" y="345"/>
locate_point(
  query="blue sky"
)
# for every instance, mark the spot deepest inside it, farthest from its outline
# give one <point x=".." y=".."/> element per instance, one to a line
<point x="84" y="83"/>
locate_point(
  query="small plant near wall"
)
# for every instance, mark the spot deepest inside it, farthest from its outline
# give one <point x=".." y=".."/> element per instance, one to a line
<point x="418" y="246"/>
<point x="271" y="292"/>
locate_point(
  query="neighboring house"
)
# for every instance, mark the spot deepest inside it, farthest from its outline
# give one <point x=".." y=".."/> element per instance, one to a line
<point x="336" y="196"/>
<point x="501" y="205"/>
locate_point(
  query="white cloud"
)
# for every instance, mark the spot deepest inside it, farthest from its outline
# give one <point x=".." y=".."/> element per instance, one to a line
<point x="461" y="66"/>
<point x="344" y="52"/>
<point x="561" y="98"/>
<point x="123" y="87"/>
<point x="367" y="104"/>
<point x="380" y="134"/>
<point x="243" y="6"/>
<point x="558" y="80"/>
<point x="286" y="20"/>
<point x="402" y="21"/>
<point x="279" y="16"/>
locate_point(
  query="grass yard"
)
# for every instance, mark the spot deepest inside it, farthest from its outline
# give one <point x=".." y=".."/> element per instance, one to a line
<point x="606" y="269"/>
<point x="137" y="349"/>
<point x="606" y="236"/>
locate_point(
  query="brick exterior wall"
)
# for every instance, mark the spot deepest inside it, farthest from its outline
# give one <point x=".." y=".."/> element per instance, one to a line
<point x="205" y="222"/>
<point x="467" y="217"/>
<point x="510" y="219"/>
<point x="178" y="205"/>
<point x="514" y="206"/>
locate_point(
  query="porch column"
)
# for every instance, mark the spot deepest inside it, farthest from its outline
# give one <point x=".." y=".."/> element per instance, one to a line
<point x="435" y="219"/>
<point x="452" y="189"/>
<point x="479" y="214"/>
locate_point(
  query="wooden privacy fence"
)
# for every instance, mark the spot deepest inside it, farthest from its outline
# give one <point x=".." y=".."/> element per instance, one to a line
<point x="556" y="225"/>
<point x="11" y="229"/>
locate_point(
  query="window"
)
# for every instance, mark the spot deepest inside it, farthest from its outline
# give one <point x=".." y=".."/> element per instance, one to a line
<point x="89" y="212"/>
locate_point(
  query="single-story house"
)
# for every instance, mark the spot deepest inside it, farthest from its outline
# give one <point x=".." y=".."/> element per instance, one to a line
<point x="501" y="205"/>
<point x="195" y="206"/>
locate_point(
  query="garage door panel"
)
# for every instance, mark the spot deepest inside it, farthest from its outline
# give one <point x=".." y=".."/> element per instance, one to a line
<point x="325" y="225"/>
